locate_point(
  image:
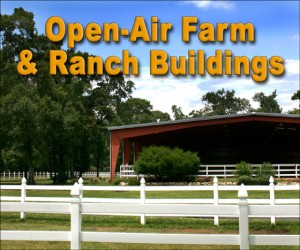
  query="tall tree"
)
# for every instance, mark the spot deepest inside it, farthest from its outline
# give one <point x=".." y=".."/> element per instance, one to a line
<point x="222" y="102"/>
<point x="160" y="116"/>
<point x="295" y="97"/>
<point x="177" y="113"/>
<point x="55" y="118"/>
<point x="197" y="113"/>
<point x="137" y="110"/>
<point x="267" y="104"/>
<point x="19" y="114"/>
<point x="19" y="98"/>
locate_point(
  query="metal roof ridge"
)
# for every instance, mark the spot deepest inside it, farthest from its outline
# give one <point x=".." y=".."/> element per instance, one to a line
<point x="205" y="118"/>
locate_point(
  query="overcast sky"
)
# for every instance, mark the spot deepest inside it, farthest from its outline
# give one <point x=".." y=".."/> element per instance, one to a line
<point x="277" y="33"/>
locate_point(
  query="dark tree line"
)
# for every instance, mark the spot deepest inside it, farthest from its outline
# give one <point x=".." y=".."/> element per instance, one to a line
<point x="58" y="123"/>
<point x="53" y="123"/>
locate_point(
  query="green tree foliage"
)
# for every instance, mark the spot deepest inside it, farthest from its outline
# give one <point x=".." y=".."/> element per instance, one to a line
<point x="177" y="113"/>
<point x="137" y="110"/>
<point x="167" y="164"/>
<point x="224" y="102"/>
<point x="267" y="104"/>
<point x="18" y="96"/>
<point x="296" y="97"/>
<point x="221" y="102"/>
<point x="294" y="111"/>
<point x="160" y="116"/>
<point x="54" y="123"/>
<point x="197" y="113"/>
<point x="19" y="116"/>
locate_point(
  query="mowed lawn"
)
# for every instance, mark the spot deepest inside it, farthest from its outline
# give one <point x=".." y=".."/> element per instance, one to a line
<point x="12" y="221"/>
<point x="57" y="222"/>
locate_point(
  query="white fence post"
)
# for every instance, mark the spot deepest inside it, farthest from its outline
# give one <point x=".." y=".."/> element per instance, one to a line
<point x="216" y="200"/>
<point x="80" y="181"/>
<point x="23" y="195"/>
<point x="243" y="218"/>
<point x="75" y="217"/>
<point x="121" y="170"/>
<point x="272" y="197"/>
<point x="143" y="198"/>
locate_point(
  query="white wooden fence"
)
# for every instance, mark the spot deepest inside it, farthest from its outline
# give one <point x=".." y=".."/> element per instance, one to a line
<point x="46" y="175"/>
<point x="281" y="170"/>
<point x="20" y="175"/>
<point x="77" y="208"/>
<point x="143" y="189"/>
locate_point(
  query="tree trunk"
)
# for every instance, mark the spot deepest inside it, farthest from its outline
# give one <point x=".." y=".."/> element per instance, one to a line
<point x="71" y="166"/>
<point x="30" y="180"/>
<point x="98" y="165"/>
<point x="29" y="163"/>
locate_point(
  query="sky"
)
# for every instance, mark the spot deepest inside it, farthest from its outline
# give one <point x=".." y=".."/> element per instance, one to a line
<point x="276" y="33"/>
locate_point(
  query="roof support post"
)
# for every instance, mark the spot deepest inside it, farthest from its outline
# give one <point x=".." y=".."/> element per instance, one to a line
<point x="137" y="149"/>
<point x="115" y="142"/>
<point x="127" y="151"/>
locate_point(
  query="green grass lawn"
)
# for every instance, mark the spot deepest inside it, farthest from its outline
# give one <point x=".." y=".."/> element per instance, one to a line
<point x="133" y="194"/>
<point x="12" y="221"/>
<point x="155" y="194"/>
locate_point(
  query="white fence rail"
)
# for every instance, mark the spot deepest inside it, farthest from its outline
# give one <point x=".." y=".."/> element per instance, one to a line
<point x="47" y="175"/>
<point x="143" y="189"/>
<point x="77" y="208"/>
<point x="281" y="170"/>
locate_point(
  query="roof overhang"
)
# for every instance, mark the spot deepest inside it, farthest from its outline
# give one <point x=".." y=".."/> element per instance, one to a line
<point x="179" y="130"/>
<point x="135" y="130"/>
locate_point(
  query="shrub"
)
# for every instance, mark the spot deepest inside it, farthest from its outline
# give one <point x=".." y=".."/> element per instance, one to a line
<point x="243" y="169"/>
<point x="95" y="180"/>
<point x="266" y="170"/>
<point x="133" y="182"/>
<point x="167" y="164"/>
<point x="246" y="180"/>
<point x="264" y="180"/>
<point x="117" y="181"/>
<point x="263" y="173"/>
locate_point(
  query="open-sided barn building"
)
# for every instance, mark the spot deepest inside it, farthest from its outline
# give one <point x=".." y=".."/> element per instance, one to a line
<point x="226" y="139"/>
